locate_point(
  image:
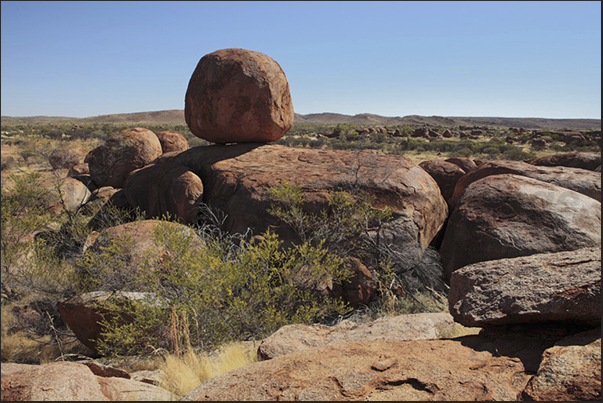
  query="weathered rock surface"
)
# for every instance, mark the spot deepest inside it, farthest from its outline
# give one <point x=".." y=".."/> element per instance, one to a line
<point x="579" y="180"/>
<point x="69" y="381"/>
<point x="549" y="287"/>
<point x="73" y="193"/>
<point x="577" y="159"/>
<point x="121" y="389"/>
<point x="466" y="164"/>
<point x="172" y="141"/>
<point x="375" y="370"/>
<point x="504" y="216"/>
<point x="238" y="95"/>
<point x="446" y="175"/>
<point x="84" y="317"/>
<point x="166" y="188"/>
<point x="56" y="381"/>
<point x="79" y="169"/>
<point x="130" y="149"/>
<point x="235" y="178"/>
<point x="103" y="194"/>
<point x="292" y="338"/>
<point x="571" y="370"/>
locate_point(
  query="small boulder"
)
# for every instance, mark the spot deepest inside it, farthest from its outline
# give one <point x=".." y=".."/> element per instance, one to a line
<point x="569" y="371"/>
<point x="446" y="175"/>
<point x="162" y="188"/>
<point x="79" y="169"/>
<point x="238" y="95"/>
<point x="172" y="141"/>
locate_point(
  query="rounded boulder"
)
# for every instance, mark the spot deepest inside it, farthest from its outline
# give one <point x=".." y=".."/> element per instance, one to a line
<point x="238" y="95"/>
<point x="111" y="163"/>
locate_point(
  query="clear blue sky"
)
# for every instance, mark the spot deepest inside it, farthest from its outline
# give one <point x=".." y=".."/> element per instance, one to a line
<point x="392" y="58"/>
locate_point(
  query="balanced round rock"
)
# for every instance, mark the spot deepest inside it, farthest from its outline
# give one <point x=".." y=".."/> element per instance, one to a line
<point x="236" y="96"/>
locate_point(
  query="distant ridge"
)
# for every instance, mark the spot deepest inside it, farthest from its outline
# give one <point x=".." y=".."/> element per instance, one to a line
<point x="176" y="116"/>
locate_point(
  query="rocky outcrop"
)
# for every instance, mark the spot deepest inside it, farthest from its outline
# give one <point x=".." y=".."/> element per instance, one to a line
<point x="504" y="216"/>
<point x="238" y="95"/>
<point x="130" y="149"/>
<point x="292" y="338"/>
<point x="236" y="177"/>
<point x="375" y="370"/>
<point x="549" y="287"/>
<point x="579" y="180"/>
<point x="69" y="381"/>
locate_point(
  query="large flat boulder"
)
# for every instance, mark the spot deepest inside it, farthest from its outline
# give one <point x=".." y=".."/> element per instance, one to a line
<point x="238" y="95"/>
<point x="542" y="288"/>
<point x="56" y="381"/>
<point x="236" y="179"/>
<point x="292" y="338"/>
<point x="375" y="370"/>
<point x="577" y="179"/>
<point x="505" y="216"/>
<point x="576" y="159"/>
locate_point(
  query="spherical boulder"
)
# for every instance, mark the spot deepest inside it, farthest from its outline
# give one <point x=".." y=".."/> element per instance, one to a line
<point x="238" y="95"/>
<point x="123" y="152"/>
<point x="172" y="141"/>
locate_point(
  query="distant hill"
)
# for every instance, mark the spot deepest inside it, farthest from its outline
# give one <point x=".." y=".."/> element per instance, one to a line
<point x="176" y="116"/>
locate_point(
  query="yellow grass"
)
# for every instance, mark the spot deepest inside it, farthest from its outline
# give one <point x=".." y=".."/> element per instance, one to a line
<point x="185" y="373"/>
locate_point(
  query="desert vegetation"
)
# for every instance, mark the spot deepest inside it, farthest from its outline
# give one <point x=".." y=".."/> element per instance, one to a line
<point x="205" y="300"/>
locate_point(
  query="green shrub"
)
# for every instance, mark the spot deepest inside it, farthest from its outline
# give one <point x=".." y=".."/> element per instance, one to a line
<point x="463" y="153"/>
<point x="228" y="291"/>
<point x="350" y="227"/>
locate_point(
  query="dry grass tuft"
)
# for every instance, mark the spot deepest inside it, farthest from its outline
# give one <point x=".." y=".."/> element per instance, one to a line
<point x="185" y="372"/>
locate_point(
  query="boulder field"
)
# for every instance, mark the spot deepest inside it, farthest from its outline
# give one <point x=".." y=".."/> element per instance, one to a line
<point x="520" y="244"/>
